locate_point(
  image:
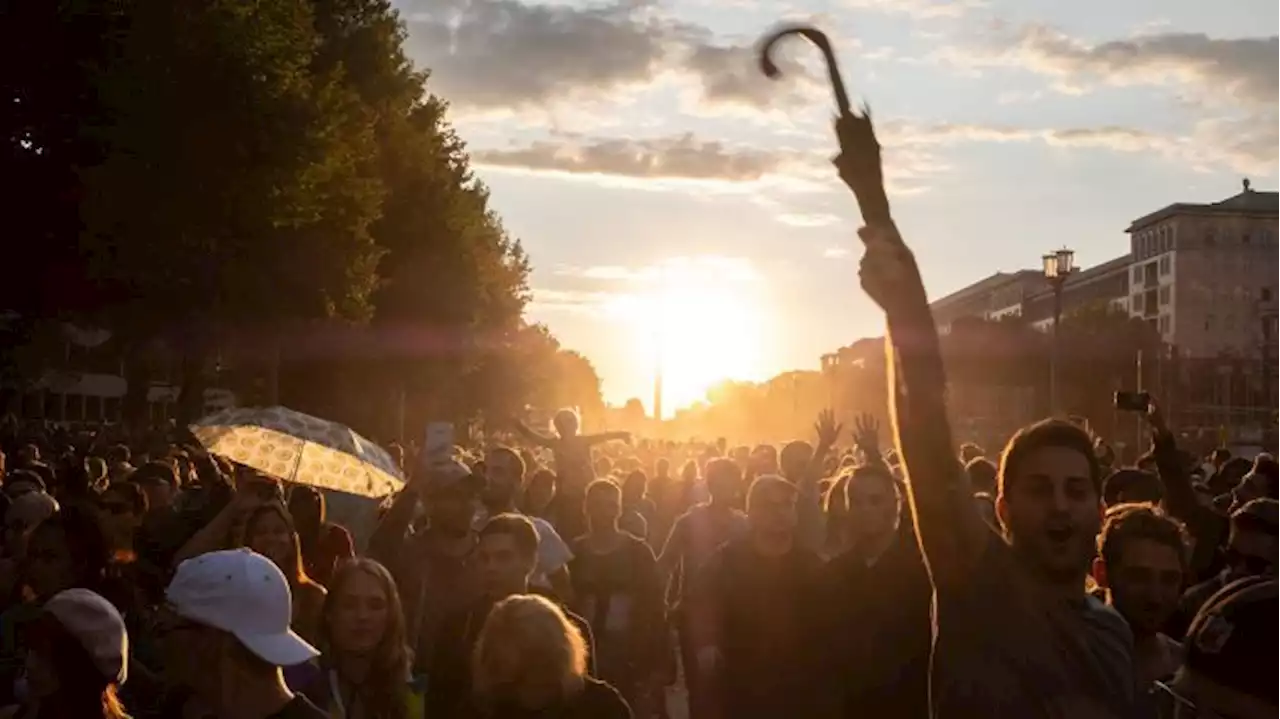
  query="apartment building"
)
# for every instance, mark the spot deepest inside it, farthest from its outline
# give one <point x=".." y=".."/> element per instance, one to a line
<point x="1027" y="294"/>
<point x="1206" y="276"/>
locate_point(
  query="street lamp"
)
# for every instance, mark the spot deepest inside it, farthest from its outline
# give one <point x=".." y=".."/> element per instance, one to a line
<point x="1057" y="267"/>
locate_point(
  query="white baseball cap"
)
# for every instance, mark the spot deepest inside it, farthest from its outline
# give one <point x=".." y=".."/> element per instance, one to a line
<point x="244" y="594"/>
<point x="97" y="625"/>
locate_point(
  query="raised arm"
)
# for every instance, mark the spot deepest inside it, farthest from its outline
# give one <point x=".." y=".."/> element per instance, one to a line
<point x="950" y="531"/>
<point x="529" y="435"/>
<point x="606" y="437"/>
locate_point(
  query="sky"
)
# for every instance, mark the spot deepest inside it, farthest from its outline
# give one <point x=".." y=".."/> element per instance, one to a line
<point x="680" y="210"/>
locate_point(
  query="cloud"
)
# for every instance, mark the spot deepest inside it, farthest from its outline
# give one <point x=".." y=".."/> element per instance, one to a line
<point x="1243" y="69"/>
<point x="837" y="253"/>
<point x="502" y="55"/>
<point x="919" y="9"/>
<point x="680" y="157"/>
<point x="572" y="301"/>
<point x="730" y="75"/>
<point x="672" y="270"/>
<point x="912" y="158"/>
<point x="1122" y="139"/>
<point x="808" y="219"/>
<point x="1228" y="87"/>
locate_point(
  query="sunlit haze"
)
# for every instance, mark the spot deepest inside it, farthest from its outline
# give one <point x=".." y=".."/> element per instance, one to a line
<point x="676" y="203"/>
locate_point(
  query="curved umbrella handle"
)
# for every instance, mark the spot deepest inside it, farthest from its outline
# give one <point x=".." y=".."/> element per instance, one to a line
<point x="817" y="37"/>
<point x="859" y="160"/>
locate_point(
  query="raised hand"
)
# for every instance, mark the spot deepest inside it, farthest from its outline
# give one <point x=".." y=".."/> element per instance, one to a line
<point x="1155" y="417"/>
<point x="866" y="434"/>
<point x="827" y="429"/>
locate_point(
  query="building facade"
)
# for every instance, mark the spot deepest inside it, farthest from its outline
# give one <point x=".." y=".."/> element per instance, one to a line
<point x="1206" y="276"/>
<point x="1203" y="275"/>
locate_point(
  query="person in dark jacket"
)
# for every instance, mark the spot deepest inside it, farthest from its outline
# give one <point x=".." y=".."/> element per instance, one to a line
<point x="879" y="598"/>
<point x="505" y="558"/>
<point x="755" y="616"/>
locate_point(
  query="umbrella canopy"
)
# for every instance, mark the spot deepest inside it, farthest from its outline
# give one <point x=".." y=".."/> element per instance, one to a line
<point x="299" y="448"/>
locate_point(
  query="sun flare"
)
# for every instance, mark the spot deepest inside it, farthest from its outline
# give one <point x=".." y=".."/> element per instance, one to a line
<point x="701" y="324"/>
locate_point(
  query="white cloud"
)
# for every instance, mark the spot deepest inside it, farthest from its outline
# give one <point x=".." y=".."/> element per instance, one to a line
<point x="496" y="56"/>
<point x="576" y="302"/>
<point x="837" y="253"/>
<point x="919" y="9"/>
<point x="808" y="219"/>
<point x="672" y="270"/>
<point x="1228" y="86"/>
<point x="674" y="157"/>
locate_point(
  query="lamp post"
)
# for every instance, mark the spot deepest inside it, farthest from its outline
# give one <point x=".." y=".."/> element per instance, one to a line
<point x="1057" y="267"/>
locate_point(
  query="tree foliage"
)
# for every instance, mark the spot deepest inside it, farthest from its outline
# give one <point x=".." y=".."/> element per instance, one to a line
<point x="242" y="176"/>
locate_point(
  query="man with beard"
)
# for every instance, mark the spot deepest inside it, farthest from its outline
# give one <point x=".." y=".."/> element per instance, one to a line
<point x="1015" y="634"/>
<point x="430" y="566"/>
<point x="1142" y="564"/>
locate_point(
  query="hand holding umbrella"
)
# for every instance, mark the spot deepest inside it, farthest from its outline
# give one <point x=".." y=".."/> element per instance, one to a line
<point x="859" y="158"/>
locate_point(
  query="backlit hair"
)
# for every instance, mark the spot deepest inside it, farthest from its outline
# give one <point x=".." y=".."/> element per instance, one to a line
<point x="516" y="526"/>
<point x="1043" y="434"/>
<point x="538" y="635"/>
<point x="599" y="486"/>
<point x="384" y="687"/>
<point x="295" y="570"/>
<point x="769" y="483"/>
<point x="1126" y="523"/>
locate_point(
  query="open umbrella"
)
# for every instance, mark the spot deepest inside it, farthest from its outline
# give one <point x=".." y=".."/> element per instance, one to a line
<point x="299" y="448"/>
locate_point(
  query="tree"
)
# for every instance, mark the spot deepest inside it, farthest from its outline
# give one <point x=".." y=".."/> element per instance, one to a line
<point x="633" y="414"/>
<point x="48" y="56"/>
<point x="255" y="176"/>
<point x="237" y="191"/>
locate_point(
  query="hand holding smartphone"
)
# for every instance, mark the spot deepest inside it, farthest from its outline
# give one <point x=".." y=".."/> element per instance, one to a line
<point x="1133" y="401"/>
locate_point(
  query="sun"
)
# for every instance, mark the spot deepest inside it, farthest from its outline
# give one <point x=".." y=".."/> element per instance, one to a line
<point x="699" y="329"/>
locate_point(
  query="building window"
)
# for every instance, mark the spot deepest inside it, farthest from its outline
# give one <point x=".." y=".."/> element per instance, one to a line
<point x="1244" y="239"/>
<point x="1164" y="265"/>
<point x="1164" y="295"/>
<point x="1136" y="303"/>
<point x="1209" y="239"/>
<point x="1266" y="294"/>
<point x="1137" y="274"/>
<point x="1208" y="322"/>
<point x="1164" y="324"/>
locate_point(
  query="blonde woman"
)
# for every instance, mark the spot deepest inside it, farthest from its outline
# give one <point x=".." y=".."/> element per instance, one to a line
<point x="531" y="661"/>
<point x="366" y="656"/>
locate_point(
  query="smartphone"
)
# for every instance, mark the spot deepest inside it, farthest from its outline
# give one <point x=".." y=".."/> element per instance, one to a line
<point x="438" y="441"/>
<point x="1133" y="401"/>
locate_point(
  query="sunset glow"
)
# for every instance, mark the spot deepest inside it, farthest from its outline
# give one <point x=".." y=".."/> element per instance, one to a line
<point x="702" y="321"/>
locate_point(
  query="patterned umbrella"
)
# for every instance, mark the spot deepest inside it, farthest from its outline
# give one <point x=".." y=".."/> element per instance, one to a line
<point x="299" y="448"/>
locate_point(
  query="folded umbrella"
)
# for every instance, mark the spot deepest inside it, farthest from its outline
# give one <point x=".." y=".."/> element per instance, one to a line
<point x="299" y="448"/>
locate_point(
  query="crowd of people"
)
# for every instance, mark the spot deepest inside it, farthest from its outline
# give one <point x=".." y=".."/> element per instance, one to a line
<point x="875" y="572"/>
